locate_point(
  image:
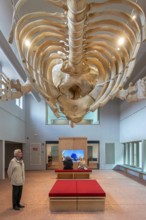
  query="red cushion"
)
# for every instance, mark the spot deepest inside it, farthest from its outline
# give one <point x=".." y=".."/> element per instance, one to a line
<point x="75" y="170"/>
<point x="80" y="188"/>
<point x="89" y="188"/>
<point x="63" y="188"/>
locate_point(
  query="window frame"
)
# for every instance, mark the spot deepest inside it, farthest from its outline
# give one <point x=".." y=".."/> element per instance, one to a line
<point x="133" y="154"/>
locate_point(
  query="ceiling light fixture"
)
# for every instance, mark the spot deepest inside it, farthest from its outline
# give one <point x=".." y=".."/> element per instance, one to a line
<point x="134" y="17"/>
<point x="27" y="43"/>
<point x="121" y="41"/>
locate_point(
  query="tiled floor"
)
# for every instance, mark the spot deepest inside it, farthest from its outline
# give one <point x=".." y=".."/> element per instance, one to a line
<point x="125" y="200"/>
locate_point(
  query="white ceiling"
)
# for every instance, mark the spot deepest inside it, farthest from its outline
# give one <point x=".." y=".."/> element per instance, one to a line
<point x="13" y="71"/>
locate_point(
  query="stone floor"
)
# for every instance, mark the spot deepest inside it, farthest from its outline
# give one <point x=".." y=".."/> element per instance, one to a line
<point x="125" y="198"/>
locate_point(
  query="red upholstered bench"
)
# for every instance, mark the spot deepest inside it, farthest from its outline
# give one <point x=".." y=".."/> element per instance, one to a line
<point x="71" y="195"/>
<point x="91" y="196"/>
<point x="63" y="195"/>
<point x="63" y="188"/>
<point x="73" y="174"/>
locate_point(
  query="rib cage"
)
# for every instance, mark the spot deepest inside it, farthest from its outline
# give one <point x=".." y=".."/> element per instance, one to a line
<point x="73" y="61"/>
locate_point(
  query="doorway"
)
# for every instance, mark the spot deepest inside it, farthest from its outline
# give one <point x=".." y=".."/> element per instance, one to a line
<point x="52" y="155"/>
<point x="93" y="154"/>
<point x="9" y="151"/>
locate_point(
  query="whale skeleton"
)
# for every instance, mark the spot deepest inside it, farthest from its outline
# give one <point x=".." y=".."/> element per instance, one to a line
<point x="73" y="59"/>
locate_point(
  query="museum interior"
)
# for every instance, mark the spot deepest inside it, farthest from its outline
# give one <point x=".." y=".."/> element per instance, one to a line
<point x="73" y="85"/>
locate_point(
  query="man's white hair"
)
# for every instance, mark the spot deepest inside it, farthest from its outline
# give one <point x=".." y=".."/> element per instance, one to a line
<point x="16" y="151"/>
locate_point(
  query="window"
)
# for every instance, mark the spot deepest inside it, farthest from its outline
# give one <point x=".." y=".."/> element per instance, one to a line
<point x="19" y="102"/>
<point x="2" y="85"/>
<point x="133" y="154"/>
<point x="91" y="118"/>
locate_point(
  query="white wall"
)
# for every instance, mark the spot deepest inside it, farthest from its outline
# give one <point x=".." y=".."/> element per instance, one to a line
<point x="132" y="121"/>
<point x="38" y="132"/>
<point x="12" y="128"/>
<point x="2" y="160"/>
<point x="12" y="122"/>
<point x="6" y="13"/>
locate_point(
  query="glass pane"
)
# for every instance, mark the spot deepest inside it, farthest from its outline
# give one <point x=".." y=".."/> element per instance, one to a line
<point x="93" y="156"/>
<point x="131" y="154"/>
<point x="91" y="118"/>
<point x="135" y="154"/>
<point x="19" y="102"/>
<point x="52" y="159"/>
<point x="140" y="154"/>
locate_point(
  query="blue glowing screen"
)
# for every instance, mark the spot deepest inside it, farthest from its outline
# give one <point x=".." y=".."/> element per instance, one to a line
<point x="73" y="154"/>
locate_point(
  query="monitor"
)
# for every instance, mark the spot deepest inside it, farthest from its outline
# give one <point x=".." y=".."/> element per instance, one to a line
<point x="73" y="154"/>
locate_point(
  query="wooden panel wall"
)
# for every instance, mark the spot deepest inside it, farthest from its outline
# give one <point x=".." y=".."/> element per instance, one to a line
<point x="72" y="143"/>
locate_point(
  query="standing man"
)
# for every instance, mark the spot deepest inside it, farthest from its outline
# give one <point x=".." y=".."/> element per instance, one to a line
<point x="16" y="174"/>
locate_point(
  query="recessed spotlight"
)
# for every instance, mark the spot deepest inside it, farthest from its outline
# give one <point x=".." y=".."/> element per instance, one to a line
<point x="134" y="17"/>
<point x="27" y="43"/>
<point x="121" y="41"/>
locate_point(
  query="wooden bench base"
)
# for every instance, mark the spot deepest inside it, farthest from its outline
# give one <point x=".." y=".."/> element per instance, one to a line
<point x="77" y="204"/>
<point x="77" y="195"/>
<point x="73" y="175"/>
<point x="91" y="204"/>
<point x="63" y="204"/>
